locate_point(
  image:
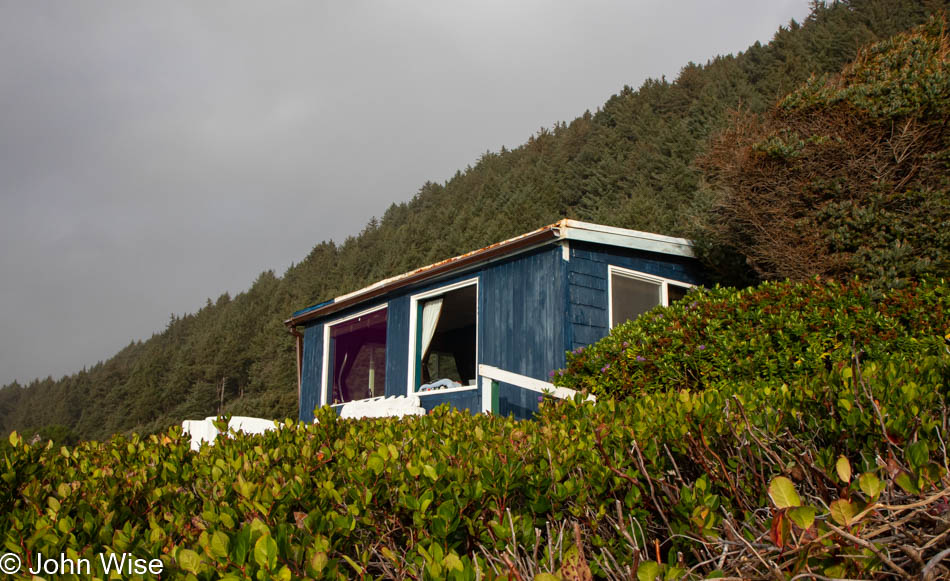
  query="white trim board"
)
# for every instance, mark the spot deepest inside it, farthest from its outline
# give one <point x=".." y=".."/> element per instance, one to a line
<point x="446" y="390"/>
<point x="624" y="238"/>
<point x="525" y="382"/>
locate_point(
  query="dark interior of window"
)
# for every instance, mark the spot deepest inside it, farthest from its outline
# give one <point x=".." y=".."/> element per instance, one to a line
<point x="675" y="292"/>
<point x="450" y="354"/>
<point x="358" y="358"/>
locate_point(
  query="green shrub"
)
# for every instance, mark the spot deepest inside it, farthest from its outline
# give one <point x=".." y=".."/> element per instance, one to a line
<point x="441" y="496"/>
<point x="776" y="332"/>
<point x="793" y="416"/>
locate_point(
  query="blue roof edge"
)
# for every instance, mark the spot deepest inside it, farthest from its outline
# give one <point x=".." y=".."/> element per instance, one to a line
<point x="312" y="308"/>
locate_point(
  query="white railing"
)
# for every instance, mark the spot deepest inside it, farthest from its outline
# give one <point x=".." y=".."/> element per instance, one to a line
<point x="204" y="431"/>
<point x="491" y="374"/>
<point x="383" y="407"/>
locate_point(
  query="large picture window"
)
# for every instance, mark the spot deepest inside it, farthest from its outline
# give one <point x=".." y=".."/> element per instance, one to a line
<point x="634" y="293"/>
<point x="356" y="357"/>
<point x="445" y="338"/>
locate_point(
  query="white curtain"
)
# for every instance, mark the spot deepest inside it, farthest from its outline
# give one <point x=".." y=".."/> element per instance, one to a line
<point x="430" y="319"/>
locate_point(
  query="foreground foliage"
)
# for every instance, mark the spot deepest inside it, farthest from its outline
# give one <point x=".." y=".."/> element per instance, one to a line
<point x="629" y="164"/>
<point x="733" y="480"/>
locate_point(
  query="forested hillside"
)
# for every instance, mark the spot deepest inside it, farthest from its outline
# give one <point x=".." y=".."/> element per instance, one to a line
<point x="630" y="164"/>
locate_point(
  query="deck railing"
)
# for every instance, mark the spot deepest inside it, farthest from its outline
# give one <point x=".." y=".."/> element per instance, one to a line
<point x="492" y="376"/>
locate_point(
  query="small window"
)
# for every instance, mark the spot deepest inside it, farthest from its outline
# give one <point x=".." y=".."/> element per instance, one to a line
<point x="446" y="335"/>
<point x="357" y="357"/>
<point x="675" y="292"/>
<point x="633" y="293"/>
<point x="632" y="297"/>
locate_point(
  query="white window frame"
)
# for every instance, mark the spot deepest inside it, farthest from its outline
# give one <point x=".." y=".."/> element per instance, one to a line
<point x="413" y="323"/>
<point x="637" y="275"/>
<point x="324" y="383"/>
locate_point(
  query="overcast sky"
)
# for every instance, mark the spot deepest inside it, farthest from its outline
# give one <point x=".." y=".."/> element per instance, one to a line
<point x="153" y="155"/>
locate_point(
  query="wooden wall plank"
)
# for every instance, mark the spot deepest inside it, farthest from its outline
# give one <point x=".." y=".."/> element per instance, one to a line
<point x="588" y="281"/>
<point x="587" y="315"/>
<point x="312" y="372"/>
<point x="397" y="346"/>
<point x="522" y="313"/>
<point x="462" y="400"/>
<point x="517" y="402"/>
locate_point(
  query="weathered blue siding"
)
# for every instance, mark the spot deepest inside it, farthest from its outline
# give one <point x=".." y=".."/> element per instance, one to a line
<point x="444" y="282"/>
<point x="517" y="402"/>
<point x="397" y="346"/>
<point x="312" y="371"/>
<point x="463" y="400"/>
<point x="587" y="282"/>
<point x="522" y="313"/>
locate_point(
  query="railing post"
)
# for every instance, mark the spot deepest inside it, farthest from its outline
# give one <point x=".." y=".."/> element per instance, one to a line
<point x="489" y="395"/>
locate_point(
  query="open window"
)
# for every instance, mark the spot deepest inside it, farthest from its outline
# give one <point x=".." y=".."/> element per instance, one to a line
<point x="445" y="338"/>
<point x="356" y="357"/>
<point x="634" y="293"/>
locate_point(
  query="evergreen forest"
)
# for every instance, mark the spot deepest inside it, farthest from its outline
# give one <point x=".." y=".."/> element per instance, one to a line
<point x="808" y="155"/>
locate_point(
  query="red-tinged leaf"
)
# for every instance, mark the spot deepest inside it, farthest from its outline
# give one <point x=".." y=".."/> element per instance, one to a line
<point x="893" y="467"/>
<point x="779" y="529"/>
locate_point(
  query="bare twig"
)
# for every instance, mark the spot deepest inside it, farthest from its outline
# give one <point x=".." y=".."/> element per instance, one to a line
<point x="869" y="546"/>
<point x="929" y="571"/>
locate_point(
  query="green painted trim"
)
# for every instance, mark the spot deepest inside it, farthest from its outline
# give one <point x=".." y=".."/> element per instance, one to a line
<point x="417" y="348"/>
<point x="331" y="355"/>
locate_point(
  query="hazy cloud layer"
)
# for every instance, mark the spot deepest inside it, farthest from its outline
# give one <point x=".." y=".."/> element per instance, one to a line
<point x="155" y="155"/>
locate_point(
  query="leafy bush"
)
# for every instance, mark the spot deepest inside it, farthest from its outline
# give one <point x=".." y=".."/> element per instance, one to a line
<point x="703" y="462"/>
<point x="784" y="426"/>
<point x="775" y="332"/>
<point x="656" y="484"/>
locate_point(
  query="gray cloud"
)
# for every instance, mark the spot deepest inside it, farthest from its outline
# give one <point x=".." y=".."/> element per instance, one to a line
<point x="153" y="155"/>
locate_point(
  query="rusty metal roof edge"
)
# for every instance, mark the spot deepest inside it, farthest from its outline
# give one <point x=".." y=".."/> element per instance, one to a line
<point x="563" y="229"/>
<point x="511" y="245"/>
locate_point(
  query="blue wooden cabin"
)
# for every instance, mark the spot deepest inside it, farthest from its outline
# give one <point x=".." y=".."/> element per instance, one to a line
<point x="484" y="330"/>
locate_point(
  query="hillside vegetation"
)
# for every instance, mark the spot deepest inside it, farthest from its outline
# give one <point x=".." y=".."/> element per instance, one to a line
<point x="848" y="175"/>
<point x="628" y="164"/>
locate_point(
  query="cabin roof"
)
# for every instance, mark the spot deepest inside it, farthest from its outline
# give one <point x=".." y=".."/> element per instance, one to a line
<point x="563" y="230"/>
